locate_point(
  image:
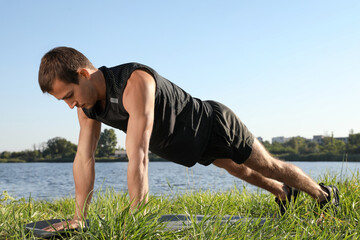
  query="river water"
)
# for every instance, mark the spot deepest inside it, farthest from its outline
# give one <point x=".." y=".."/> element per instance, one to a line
<point x="49" y="181"/>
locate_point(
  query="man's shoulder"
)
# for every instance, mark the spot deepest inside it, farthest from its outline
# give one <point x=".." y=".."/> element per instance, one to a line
<point x="123" y="71"/>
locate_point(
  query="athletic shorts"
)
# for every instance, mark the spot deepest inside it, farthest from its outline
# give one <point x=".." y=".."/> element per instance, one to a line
<point x="230" y="138"/>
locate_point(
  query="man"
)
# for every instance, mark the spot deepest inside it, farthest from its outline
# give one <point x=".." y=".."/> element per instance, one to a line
<point x="156" y="114"/>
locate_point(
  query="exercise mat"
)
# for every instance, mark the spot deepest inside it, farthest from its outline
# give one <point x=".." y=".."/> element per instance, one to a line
<point x="183" y="221"/>
<point x="36" y="228"/>
<point x="170" y="221"/>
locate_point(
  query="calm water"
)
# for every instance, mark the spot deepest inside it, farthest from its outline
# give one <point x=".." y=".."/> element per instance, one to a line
<point x="54" y="180"/>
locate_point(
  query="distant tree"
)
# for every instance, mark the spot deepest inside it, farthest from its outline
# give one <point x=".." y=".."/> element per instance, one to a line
<point x="107" y="143"/>
<point x="27" y="155"/>
<point x="5" y="154"/>
<point x="353" y="144"/>
<point x="332" y="146"/>
<point x="309" y="147"/>
<point x="296" y="143"/>
<point x="279" y="148"/>
<point x="267" y="145"/>
<point x="59" y="147"/>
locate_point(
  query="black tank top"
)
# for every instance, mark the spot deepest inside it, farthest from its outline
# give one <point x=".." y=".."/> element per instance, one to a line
<point x="182" y="124"/>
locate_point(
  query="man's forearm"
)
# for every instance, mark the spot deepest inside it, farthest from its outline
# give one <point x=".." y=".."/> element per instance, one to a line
<point x="84" y="177"/>
<point x="138" y="179"/>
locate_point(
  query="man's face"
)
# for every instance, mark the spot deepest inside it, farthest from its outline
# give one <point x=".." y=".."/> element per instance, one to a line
<point x="82" y="95"/>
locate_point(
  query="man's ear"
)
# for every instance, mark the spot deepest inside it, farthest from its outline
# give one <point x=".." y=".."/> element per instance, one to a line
<point x="83" y="72"/>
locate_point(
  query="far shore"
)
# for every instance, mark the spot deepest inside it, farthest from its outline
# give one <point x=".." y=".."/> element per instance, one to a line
<point x="286" y="157"/>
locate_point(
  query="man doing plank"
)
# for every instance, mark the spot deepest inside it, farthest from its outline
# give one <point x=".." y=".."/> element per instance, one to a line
<point x="158" y="115"/>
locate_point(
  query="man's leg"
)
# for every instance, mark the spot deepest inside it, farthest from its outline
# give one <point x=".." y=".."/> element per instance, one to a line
<point x="229" y="129"/>
<point x="245" y="173"/>
<point x="262" y="162"/>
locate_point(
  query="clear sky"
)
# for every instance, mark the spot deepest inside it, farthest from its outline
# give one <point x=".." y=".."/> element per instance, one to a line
<point x="286" y="68"/>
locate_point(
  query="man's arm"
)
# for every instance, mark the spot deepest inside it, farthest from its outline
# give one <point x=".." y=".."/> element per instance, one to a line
<point x="84" y="163"/>
<point x="139" y="102"/>
<point x="83" y="170"/>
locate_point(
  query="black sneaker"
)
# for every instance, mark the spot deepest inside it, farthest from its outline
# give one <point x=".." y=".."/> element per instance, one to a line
<point x="332" y="200"/>
<point x="283" y="205"/>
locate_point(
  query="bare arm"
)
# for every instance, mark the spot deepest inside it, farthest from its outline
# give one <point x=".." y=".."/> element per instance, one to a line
<point x="83" y="171"/>
<point x="84" y="163"/>
<point x="139" y="102"/>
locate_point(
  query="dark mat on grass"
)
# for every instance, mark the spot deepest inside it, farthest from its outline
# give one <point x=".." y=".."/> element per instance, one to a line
<point x="36" y="228"/>
<point x="170" y="221"/>
<point x="183" y="221"/>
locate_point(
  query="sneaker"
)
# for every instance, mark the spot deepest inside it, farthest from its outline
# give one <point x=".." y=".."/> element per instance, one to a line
<point x="284" y="204"/>
<point x="332" y="200"/>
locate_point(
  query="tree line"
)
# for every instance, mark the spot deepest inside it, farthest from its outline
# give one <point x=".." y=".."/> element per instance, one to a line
<point x="60" y="149"/>
<point x="330" y="149"/>
<point x="328" y="145"/>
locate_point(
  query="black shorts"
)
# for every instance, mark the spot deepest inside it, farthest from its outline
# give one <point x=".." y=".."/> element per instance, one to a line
<point x="230" y="138"/>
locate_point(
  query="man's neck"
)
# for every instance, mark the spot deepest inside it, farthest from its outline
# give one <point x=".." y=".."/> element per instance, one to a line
<point x="100" y="84"/>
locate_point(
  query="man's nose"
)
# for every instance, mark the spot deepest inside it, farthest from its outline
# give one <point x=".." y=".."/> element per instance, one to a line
<point x="71" y="103"/>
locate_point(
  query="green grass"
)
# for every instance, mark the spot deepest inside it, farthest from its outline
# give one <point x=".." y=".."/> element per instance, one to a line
<point x="11" y="160"/>
<point x="110" y="217"/>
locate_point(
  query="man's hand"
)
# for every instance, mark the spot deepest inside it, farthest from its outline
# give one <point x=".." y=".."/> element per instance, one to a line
<point x="65" y="225"/>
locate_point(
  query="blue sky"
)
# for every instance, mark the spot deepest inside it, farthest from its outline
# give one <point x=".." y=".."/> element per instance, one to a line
<point x="286" y="68"/>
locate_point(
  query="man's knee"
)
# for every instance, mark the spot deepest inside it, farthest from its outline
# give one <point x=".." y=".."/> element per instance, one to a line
<point x="261" y="161"/>
<point x="235" y="169"/>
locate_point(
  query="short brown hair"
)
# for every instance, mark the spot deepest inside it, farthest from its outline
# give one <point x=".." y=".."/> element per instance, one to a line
<point x="61" y="63"/>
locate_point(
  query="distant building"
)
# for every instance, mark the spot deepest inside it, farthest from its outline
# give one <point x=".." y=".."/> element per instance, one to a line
<point x="120" y="153"/>
<point x="318" y="139"/>
<point x="344" y="139"/>
<point x="280" y="139"/>
<point x="260" y="139"/>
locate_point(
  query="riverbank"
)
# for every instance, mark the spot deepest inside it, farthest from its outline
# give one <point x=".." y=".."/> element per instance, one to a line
<point x="317" y="157"/>
<point x="110" y="218"/>
<point x="153" y="158"/>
